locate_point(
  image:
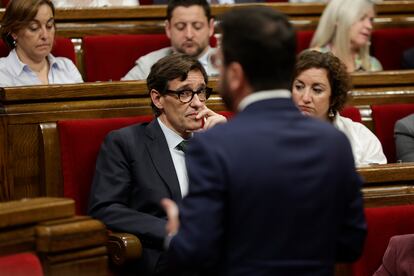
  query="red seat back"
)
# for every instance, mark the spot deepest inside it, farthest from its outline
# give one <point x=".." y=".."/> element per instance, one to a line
<point x="383" y="223"/>
<point x="110" y="57"/>
<point x="352" y="113"/>
<point x="384" y="118"/>
<point x="80" y="141"/>
<point x="21" y="264"/>
<point x="388" y="46"/>
<point x="63" y="48"/>
<point x="303" y="40"/>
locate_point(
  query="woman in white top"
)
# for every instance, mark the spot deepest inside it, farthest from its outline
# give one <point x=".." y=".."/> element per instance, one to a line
<point x="320" y="90"/>
<point x="28" y="29"/>
<point x="345" y="29"/>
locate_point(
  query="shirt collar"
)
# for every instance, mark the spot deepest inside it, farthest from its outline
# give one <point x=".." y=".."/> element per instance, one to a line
<point x="17" y="66"/>
<point x="204" y="58"/>
<point x="263" y="95"/>
<point x="173" y="139"/>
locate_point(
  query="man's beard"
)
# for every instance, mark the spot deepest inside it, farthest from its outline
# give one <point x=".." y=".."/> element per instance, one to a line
<point x="195" y="54"/>
<point x="224" y="92"/>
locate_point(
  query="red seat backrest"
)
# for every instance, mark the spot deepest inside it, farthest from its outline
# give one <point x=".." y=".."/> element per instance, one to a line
<point x="383" y="223"/>
<point x="63" y="48"/>
<point x="384" y="118"/>
<point x="110" y="57"/>
<point x="80" y="141"/>
<point x="352" y="113"/>
<point x="21" y="264"/>
<point x="303" y="40"/>
<point x="388" y="46"/>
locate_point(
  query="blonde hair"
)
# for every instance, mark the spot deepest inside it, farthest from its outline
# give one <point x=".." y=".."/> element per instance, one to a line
<point x="335" y="24"/>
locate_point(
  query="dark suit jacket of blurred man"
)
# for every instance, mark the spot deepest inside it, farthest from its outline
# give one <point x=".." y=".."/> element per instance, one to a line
<point x="272" y="193"/>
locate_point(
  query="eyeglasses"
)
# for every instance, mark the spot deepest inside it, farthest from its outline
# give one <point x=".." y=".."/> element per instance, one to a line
<point x="187" y="95"/>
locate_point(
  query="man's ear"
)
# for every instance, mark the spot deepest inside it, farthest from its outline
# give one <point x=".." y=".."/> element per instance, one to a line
<point x="211" y="26"/>
<point x="235" y="76"/>
<point x="156" y="98"/>
<point x="167" y="27"/>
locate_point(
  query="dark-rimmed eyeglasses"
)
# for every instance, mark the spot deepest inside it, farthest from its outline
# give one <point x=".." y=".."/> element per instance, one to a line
<point x="187" y="95"/>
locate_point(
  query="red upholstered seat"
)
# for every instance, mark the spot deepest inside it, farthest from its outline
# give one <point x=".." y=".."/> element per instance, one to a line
<point x="21" y="264"/>
<point x="383" y="223"/>
<point x="385" y="117"/>
<point x="80" y="141"/>
<point x="388" y="46"/>
<point x="110" y="57"/>
<point x="303" y="40"/>
<point x="352" y="113"/>
<point x="63" y="48"/>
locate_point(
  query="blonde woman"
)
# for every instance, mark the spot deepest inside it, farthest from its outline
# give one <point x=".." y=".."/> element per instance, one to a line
<point x="345" y="30"/>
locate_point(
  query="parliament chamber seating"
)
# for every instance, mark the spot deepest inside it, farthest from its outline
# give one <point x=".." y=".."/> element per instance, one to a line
<point x="80" y="142"/>
<point x="384" y="118"/>
<point x="21" y="264"/>
<point x="63" y="48"/>
<point x="383" y="223"/>
<point x="352" y="113"/>
<point x="110" y="57"/>
<point x="388" y="46"/>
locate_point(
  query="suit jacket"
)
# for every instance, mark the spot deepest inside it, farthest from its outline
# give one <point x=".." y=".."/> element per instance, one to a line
<point x="404" y="138"/>
<point x="272" y="192"/>
<point x="398" y="259"/>
<point x="408" y="59"/>
<point x="134" y="171"/>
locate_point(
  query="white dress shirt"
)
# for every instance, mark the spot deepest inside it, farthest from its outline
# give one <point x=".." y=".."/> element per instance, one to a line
<point x="366" y="147"/>
<point x="173" y="139"/>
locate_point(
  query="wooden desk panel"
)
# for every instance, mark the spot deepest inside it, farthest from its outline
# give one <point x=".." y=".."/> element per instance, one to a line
<point x="24" y="109"/>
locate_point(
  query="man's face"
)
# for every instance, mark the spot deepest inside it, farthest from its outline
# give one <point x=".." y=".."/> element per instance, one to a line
<point x="178" y="116"/>
<point x="189" y="30"/>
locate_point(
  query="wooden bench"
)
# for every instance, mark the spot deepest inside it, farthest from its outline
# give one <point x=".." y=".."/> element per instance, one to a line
<point x="65" y="244"/>
<point x="23" y="109"/>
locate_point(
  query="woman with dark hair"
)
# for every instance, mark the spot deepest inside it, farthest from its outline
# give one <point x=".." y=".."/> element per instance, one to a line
<point x="320" y="88"/>
<point x="28" y="29"/>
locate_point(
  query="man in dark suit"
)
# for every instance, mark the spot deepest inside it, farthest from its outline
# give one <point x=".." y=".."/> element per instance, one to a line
<point x="140" y="164"/>
<point x="404" y="138"/>
<point x="272" y="192"/>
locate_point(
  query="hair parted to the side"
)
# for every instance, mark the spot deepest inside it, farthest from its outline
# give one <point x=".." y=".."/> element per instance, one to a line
<point x="338" y="77"/>
<point x="18" y="15"/>
<point x="263" y="42"/>
<point x="335" y="24"/>
<point x="172" y="4"/>
<point x="170" y="68"/>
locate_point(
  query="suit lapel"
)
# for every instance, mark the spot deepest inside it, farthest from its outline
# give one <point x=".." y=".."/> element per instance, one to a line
<point x="161" y="158"/>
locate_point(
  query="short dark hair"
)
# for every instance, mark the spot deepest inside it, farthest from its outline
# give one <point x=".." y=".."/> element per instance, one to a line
<point x="18" y="15"/>
<point x="169" y="68"/>
<point x="338" y="77"/>
<point x="172" y="4"/>
<point x="263" y="41"/>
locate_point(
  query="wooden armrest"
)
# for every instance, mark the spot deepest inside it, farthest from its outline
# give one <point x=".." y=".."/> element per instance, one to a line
<point x="123" y="247"/>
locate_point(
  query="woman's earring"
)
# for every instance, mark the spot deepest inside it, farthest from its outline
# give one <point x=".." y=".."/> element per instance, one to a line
<point x="330" y="113"/>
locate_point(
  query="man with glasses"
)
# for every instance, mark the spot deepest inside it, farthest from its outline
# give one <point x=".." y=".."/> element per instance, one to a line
<point x="189" y="26"/>
<point x="140" y="164"/>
